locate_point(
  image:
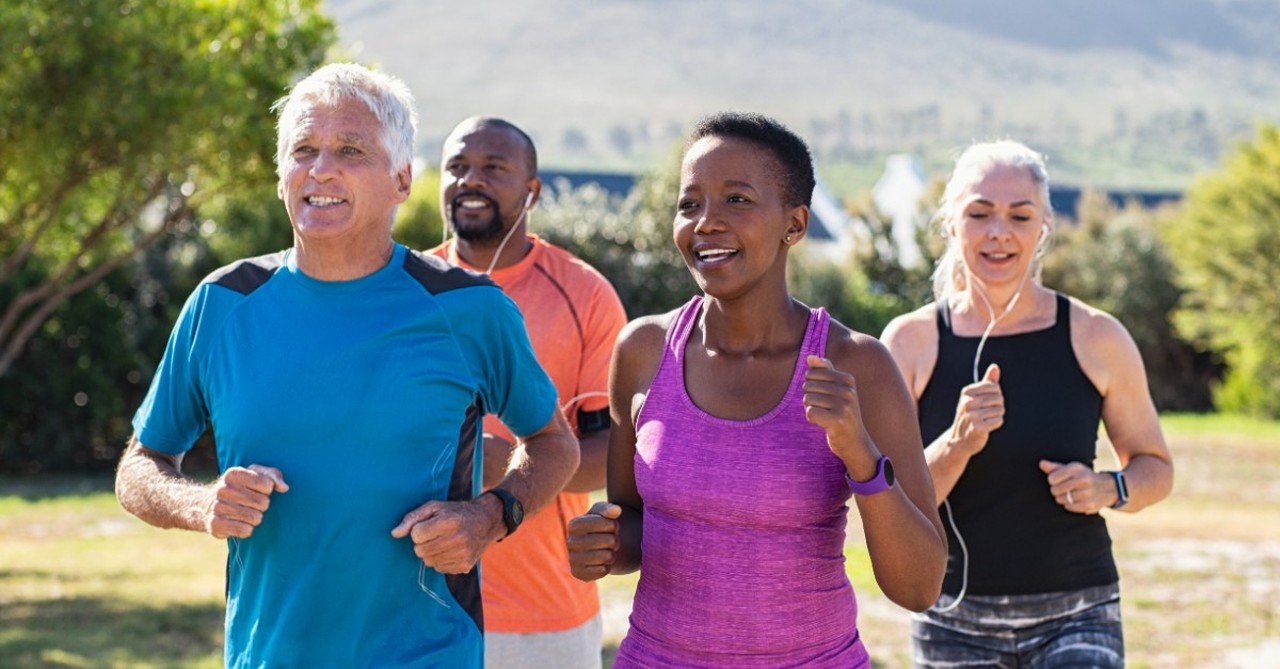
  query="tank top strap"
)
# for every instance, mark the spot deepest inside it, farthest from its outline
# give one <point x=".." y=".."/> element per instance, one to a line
<point x="815" y="335"/>
<point x="678" y="334"/>
<point x="943" y="320"/>
<point x="1062" y="322"/>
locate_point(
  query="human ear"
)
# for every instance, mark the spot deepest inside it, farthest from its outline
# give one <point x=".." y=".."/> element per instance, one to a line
<point x="798" y="225"/>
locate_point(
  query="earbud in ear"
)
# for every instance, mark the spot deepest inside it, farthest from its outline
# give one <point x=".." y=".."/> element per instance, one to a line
<point x="528" y="200"/>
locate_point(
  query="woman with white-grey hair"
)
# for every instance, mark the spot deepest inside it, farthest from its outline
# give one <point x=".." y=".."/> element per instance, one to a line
<point x="1011" y="380"/>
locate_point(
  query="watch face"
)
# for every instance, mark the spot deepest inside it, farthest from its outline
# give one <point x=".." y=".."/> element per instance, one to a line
<point x="882" y="481"/>
<point x="512" y="509"/>
<point x="517" y="512"/>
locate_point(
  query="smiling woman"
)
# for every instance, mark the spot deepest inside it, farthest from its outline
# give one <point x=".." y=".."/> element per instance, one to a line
<point x="739" y="437"/>
<point x="1011" y="449"/>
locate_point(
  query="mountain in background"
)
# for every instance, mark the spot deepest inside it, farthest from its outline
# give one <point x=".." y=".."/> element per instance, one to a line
<point x="1131" y="94"/>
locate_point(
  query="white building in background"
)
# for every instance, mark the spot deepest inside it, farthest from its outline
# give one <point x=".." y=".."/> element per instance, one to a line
<point x="830" y="226"/>
<point x="898" y="195"/>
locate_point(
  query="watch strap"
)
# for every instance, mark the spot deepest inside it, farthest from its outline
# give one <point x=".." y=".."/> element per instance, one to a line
<point x="1122" y="489"/>
<point x="882" y="481"/>
<point x="512" y="510"/>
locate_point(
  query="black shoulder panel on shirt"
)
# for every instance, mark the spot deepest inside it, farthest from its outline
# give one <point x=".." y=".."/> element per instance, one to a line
<point x="245" y="276"/>
<point x="438" y="276"/>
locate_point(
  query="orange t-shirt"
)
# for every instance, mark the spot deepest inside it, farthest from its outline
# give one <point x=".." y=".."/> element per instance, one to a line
<point x="573" y="316"/>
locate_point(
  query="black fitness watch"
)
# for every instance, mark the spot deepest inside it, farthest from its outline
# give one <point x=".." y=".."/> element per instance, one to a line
<point x="1122" y="489"/>
<point x="512" y="510"/>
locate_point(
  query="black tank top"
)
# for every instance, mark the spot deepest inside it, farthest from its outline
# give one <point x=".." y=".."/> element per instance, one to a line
<point x="1020" y="541"/>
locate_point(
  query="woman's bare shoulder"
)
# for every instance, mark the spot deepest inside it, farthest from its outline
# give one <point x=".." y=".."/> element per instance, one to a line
<point x="646" y="331"/>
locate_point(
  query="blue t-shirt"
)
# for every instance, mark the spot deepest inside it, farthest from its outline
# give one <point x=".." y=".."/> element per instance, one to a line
<point x="368" y="396"/>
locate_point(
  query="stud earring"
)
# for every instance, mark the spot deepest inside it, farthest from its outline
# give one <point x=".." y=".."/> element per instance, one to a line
<point x="787" y="239"/>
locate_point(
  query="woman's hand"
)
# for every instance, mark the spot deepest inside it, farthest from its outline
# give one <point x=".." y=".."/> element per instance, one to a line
<point x="831" y="403"/>
<point x="593" y="541"/>
<point x="979" y="412"/>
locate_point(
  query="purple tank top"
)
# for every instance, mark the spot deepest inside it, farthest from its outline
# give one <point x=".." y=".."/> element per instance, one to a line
<point x="743" y="549"/>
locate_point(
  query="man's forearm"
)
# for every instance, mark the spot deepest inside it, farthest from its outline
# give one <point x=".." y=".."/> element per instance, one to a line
<point x="541" y="465"/>
<point x="590" y="475"/>
<point x="152" y="487"/>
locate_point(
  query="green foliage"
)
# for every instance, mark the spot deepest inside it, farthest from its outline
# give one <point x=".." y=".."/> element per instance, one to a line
<point x="627" y="239"/>
<point x="845" y="291"/>
<point x="120" y="119"/>
<point x="1226" y="246"/>
<point x="67" y="402"/>
<point x="1114" y="260"/>
<point x="878" y="257"/>
<point x="875" y="284"/>
<point x="136" y="154"/>
<point x="418" y="223"/>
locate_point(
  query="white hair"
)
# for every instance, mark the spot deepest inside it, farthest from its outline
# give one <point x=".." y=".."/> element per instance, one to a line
<point x="978" y="159"/>
<point x="386" y="96"/>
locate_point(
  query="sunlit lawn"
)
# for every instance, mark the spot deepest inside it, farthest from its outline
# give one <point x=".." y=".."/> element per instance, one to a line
<point x="84" y="585"/>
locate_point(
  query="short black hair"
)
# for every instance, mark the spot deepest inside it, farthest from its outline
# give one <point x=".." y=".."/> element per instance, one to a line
<point x="531" y="152"/>
<point x="791" y="155"/>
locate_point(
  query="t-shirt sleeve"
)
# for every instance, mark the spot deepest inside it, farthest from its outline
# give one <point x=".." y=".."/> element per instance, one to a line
<point x="174" y="414"/>
<point x="512" y="383"/>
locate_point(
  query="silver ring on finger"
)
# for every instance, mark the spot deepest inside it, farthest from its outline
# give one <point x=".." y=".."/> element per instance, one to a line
<point x="1070" y="499"/>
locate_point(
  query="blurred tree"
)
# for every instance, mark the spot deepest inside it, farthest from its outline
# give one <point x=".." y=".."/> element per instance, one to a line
<point x="844" y="289"/>
<point x="878" y="256"/>
<point x="418" y="223"/>
<point x="1113" y="259"/>
<point x="136" y="155"/>
<point x="119" y="121"/>
<point x="1226" y="247"/>
<point x="627" y="239"/>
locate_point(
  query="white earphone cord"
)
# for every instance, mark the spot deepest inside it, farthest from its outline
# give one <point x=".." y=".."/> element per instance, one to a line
<point x="977" y="357"/>
<point x="524" y="211"/>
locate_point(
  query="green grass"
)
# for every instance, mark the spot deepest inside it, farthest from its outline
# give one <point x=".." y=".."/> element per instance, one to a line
<point x="82" y="584"/>
<point x="1220" y="425"/>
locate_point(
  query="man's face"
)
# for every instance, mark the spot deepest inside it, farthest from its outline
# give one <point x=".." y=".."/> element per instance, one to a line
<point x="485" y="179"/>
<point x="336" y="181"/>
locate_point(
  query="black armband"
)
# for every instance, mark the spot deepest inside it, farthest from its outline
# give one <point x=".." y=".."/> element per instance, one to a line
<point x="592" y="421"/>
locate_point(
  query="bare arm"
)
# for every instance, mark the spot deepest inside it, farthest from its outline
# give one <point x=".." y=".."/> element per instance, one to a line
<point x="541" y="464"/>
<point x="902" y="527"/>
<point x="606" y="540"/>
<point x="151" y="486"/>
<point x="497" y="457"/>
<point x="1110" y="358"/>
<point x="603" y="324"/>
<point x="1134" y="427"/>
<point x="594" y="448"/>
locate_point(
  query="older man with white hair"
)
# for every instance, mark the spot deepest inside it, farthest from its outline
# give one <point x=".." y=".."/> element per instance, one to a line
<point x="345" y="379"/>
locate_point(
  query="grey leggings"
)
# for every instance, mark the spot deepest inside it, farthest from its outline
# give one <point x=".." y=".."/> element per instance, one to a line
<point x="1078" y="628"/>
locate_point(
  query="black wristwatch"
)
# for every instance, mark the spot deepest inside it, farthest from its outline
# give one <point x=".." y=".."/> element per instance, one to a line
<point x="1122" y="489"/>
<point x="512" y="510"/>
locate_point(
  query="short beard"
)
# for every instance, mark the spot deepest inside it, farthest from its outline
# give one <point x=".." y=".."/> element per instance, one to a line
<point x="482" y="232"/>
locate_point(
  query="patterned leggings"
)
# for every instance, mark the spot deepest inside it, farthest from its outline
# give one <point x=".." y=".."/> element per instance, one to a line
<point x="1077" y="628"/>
